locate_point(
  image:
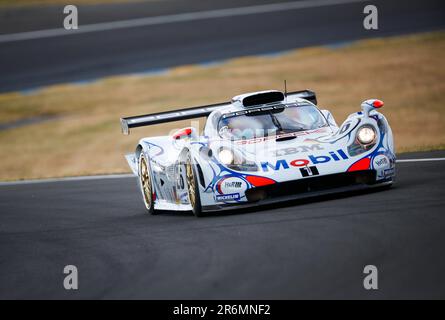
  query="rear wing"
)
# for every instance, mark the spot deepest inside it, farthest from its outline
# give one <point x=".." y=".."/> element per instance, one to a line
<point x="191" y="113"/>
<point x="168" y="116"/>
<point x="304" y="94"/>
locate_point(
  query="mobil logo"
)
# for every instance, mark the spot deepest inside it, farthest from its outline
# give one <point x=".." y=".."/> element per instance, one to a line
<point x="337" y="155"/>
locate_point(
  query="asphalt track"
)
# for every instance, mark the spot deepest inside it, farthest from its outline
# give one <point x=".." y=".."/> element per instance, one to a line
<point x="300" y="249"/>
<point x="38" y="62"/>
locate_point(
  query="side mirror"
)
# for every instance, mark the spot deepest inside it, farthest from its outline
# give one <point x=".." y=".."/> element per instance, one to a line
<point x="371" y="104"/>
<point x="184" y="133"/>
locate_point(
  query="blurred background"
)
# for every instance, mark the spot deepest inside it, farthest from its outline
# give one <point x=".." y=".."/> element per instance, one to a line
<point x="62" y="92"/>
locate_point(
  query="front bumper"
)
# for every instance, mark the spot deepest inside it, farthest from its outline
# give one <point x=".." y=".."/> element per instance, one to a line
<point x="306" y="188"/>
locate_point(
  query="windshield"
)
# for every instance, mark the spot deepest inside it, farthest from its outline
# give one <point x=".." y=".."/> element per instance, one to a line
<point x="256" y="124"/>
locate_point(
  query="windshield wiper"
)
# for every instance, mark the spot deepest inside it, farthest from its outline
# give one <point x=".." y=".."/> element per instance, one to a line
<point x="276" y="122"/>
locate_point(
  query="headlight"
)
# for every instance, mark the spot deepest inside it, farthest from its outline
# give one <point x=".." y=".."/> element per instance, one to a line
<point x="235" y="160"/>
<point x="366" y="135"/>
<point x="226" y="156"/>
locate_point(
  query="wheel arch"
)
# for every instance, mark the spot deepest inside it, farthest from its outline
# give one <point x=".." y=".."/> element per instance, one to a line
<point x="194" y="151"/>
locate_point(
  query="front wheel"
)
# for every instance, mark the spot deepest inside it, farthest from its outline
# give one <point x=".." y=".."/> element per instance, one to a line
<point x="193" y="188"/>
<point x="145" y="184"/>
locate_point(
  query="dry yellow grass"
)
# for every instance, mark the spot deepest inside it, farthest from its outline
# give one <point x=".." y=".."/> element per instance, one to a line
<point x="407" y="72"/>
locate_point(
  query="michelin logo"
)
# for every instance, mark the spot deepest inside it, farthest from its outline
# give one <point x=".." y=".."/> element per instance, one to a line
<point x="226" y="197"/>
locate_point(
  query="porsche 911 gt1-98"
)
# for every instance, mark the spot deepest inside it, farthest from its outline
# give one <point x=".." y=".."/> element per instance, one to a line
<point x="260" y="147"/>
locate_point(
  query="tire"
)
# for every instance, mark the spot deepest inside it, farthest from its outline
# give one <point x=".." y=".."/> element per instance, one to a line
<point x="193" y="188"/>
<point x="145" y="184"/>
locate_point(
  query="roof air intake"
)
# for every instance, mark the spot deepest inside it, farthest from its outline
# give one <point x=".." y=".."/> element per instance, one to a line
<point x="259" y="98"/>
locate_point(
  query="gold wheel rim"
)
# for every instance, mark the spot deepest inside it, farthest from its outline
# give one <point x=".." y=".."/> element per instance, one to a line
<point x="146" y="183"/>
<point x="191" y="183"/>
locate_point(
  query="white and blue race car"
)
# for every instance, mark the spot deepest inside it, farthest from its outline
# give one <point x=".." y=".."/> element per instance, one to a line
<point x="259" y="148"/>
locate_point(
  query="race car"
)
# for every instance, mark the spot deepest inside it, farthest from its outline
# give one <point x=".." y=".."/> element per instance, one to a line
<point x="259" y="148"/>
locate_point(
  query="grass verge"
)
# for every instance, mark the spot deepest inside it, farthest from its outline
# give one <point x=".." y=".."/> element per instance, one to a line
<point x="406" y="72"/>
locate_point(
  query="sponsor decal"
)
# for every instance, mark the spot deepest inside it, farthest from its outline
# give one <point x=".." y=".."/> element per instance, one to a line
<point x="279" y="136"/>
<point x="380" y="161"/>
<point x="299" y="149"/>
<point x="283" y="164"/>
<point x="309" y="171"/>
<point x="233" y="184"/>
<point x="226" y="197"/>
<point x="230" y="184"/>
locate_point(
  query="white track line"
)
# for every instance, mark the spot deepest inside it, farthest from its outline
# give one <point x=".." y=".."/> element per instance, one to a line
<point x="67" y="179"/>
<point x="181" y="17"/>
<point x="421" y="160"/>
<point x="129" y="175"/>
